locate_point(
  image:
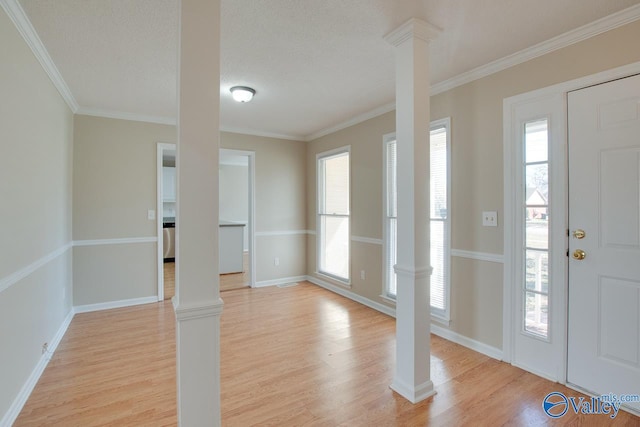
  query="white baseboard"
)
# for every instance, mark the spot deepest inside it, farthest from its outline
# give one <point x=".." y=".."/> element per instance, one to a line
<point x="389" y="311"/>
<point x="281" y="281"/>
<point x="14" y="410"/>
<point x="445" y="333"/>
<point x="114" y="304"/>
<point x="474" y="345"/>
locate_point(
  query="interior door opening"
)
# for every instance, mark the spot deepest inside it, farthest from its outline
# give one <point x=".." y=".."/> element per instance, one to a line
<point x="236" y="216"/>
<point x="166" y="219"/>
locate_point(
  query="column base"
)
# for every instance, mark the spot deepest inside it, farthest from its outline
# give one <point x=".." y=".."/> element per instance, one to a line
<point x="413" y="394"/>
<point x="198" y="363"/>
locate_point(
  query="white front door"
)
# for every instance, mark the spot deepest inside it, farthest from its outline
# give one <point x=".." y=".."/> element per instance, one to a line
<point x="604" y="202"/>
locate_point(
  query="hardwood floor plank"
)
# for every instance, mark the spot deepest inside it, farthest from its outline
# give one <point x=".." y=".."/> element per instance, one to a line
<point x="295" y="356"/>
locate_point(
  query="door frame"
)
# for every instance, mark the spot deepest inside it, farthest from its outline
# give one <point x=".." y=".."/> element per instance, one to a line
<point x="558" y="181"/>
<point x="161" y="148"/>
<point x="252" y="208"/>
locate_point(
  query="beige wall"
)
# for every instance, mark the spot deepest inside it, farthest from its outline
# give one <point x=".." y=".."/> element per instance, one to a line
<point x="477" y="180"/>
<point x="365" y="140"/>
<point x="35" y="189"/>
<point x="114" y="177"/>
<point x="114" y="184"/>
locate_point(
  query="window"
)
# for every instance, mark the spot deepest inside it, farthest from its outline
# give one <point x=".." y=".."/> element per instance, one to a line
<point x="333" y="214"/>
<point x="536" y="234"/>
<point x="390" y="216"/>
<point x="439" y="208"/>
<point x="439" y="217"/>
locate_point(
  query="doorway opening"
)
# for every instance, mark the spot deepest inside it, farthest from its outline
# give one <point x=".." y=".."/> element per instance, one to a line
<point x="236" y="216"/>
<point x="166" y="219"/>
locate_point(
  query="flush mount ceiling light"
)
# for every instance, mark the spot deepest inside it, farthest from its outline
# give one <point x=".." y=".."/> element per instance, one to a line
<point x="242" y="93"/>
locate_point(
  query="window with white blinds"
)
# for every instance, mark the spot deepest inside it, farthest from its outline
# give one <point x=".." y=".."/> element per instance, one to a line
<point x="333" y="213"/>
<point x="390" y="216"/>
<point x="439" y="217"/>
<point x="439" y="221"/>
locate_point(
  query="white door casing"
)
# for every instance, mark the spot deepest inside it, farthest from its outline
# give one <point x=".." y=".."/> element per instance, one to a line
<point x="543" y="356"/>
<point x="517" y="110"/>
<point x="604" y="287"/>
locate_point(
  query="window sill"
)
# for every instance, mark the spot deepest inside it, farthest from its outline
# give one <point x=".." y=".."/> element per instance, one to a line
<point x="442" y="320"/>
<point x="388" y="299"/>
<point x="334" y="280"/>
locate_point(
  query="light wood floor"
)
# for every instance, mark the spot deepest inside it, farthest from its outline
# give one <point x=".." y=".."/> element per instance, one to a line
<point x="169" y="278"/>
<point x="229" y="282"/>
<point x="295" y="356"/>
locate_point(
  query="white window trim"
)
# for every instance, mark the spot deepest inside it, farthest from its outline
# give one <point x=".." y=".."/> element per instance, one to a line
<point x="319" y="192"/>
<point x="442" y="317"/>
<point x="386" y="139"/>
<point x="445" y="315"/>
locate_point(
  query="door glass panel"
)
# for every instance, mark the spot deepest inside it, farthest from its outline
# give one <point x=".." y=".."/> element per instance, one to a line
<point x="536" y="313"/>
<point x="537" y="184"/>
<point x="537" y="271"/>
<point x="536" y="232"/>
<point x="536" y="144"/>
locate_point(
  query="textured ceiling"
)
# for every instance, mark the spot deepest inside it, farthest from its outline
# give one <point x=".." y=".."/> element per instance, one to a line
<point x="314" y="64"/>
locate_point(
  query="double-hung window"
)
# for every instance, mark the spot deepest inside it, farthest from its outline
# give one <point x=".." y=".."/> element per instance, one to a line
<point x="438" y="217"/>
<point x="333" y="214"/>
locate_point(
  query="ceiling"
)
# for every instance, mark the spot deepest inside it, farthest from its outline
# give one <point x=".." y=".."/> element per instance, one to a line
<point x="314" y="64"/>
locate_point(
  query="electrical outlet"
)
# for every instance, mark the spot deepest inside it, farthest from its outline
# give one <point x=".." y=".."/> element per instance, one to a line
<point x="45" y="348"/>
<point x="151" y="214"/>
<point x="361" y="274"/>
<point x="490" y="219"/>
<point x="276" y="261"/>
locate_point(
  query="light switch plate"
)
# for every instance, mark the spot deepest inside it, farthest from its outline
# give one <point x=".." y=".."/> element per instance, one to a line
<point x="490" y="218"/>
<point x="151" y="214"/>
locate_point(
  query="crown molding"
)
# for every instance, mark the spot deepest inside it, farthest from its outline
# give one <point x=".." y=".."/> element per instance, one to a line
<point x="19" y="18"/>
<point x="112" y="114"/>
<point x="413" y="28"/>
<point x="569" y="38"/>
<point x="592" y="29"/>
<point x="253" y="132"/>
<point x="353" y="121"/>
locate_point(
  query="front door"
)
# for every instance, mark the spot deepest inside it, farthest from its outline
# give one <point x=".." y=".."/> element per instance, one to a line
<point x="604" y="238"/>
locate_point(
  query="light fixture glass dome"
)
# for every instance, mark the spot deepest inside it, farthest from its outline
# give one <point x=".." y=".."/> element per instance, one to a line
<point x="242" y="93"/>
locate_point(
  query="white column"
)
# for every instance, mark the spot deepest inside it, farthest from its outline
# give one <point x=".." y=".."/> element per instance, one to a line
<point x="197" y="302"/>
<point x="412" y="374"/>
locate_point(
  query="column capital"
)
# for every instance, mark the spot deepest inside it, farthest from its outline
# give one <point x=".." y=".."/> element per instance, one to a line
<point x="413" y="28"/>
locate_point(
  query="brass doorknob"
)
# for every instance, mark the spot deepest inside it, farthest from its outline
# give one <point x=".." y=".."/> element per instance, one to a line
<point x="579" y="254"/>
<point x="579" y="234"/>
